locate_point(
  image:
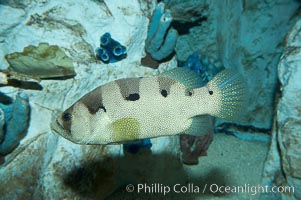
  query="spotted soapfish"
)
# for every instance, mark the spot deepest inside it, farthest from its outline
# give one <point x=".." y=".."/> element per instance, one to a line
<point x="137" y="108"/>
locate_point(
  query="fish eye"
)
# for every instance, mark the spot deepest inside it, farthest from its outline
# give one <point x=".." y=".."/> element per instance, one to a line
<point x="67" y="116"/>
<point x="210" y="92"/>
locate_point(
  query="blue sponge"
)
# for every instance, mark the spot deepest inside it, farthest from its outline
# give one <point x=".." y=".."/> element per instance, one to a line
<point x="14" y="121"/>
<point x="161" y="38"/>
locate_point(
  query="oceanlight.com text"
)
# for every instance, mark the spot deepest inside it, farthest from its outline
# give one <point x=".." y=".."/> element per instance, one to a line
<point x="191" y="188"/>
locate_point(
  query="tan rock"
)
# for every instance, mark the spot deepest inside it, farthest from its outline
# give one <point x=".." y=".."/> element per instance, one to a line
<point x="42" y="61"/>
<point x="282" y="167"/>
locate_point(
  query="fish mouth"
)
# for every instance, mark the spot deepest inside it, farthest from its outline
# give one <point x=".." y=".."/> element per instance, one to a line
<point x="58" y="129"/>
<point x="59" y="124"/>
<point x="55" y="127"/>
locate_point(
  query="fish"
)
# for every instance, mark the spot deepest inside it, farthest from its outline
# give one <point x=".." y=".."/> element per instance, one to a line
<point x="168" y="104"/>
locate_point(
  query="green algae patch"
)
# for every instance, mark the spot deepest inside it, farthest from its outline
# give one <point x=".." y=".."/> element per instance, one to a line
<point x="42" y="61"/>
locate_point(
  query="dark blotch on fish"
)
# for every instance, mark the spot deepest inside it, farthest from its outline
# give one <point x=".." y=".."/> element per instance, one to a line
<point x="164" y="93"/>
<point x="133" y="97"/>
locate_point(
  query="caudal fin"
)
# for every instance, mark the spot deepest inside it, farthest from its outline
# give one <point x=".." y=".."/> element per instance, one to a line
<point x="230" y="91"/>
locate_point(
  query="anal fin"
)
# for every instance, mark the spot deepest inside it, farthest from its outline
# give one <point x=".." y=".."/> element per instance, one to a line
<point x="201" y="125"/>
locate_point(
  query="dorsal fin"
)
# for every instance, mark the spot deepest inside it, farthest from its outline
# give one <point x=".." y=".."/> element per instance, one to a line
<point x="187" y="77"/>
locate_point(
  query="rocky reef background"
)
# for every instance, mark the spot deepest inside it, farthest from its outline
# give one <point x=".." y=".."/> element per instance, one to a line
<point x="47" y="53"/>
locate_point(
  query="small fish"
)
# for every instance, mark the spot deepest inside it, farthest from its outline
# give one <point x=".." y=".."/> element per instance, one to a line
<point x="137" y="108"/>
